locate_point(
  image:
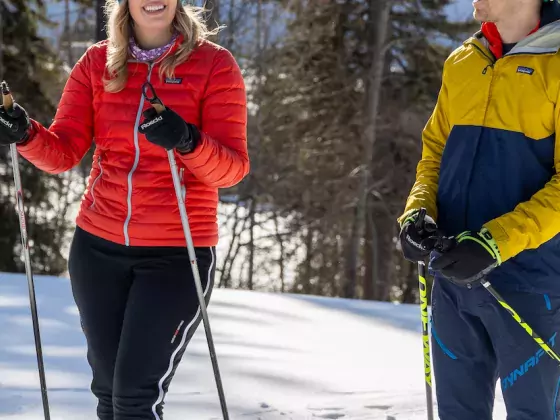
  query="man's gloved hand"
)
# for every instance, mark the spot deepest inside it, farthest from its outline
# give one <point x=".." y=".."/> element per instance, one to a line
<point x="15" y="126"/>
<point x="169" y="131"/>
<point x="472" y="257"/>
<point x="418" y="231"/>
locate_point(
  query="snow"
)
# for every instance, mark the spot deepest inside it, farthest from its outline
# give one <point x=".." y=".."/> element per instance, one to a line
<point x="281" y="357"/>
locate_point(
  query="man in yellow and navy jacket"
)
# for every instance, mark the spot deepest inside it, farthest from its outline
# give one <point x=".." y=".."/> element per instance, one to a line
<point x="490" y="177"/>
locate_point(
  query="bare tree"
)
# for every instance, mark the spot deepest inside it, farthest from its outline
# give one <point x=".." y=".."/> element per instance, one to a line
<point x="100" y="33"/>
<point x="380" y="15"/>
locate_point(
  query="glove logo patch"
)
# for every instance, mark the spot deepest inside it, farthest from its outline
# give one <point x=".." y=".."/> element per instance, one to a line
<point x="6" y="123"/>
<point x="412" y="241"/>
<point x="152" y="122"/>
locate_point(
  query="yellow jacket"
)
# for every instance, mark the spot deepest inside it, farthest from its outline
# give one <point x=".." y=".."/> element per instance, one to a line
<point x="490" y="152"/>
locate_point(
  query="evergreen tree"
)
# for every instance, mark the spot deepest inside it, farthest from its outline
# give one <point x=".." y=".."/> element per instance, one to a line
<point x="315" y="116"/>
<point x="32" y="70"/>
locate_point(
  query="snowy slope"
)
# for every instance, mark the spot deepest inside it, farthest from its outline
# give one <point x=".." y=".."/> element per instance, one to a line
<point x="281" y="356"/>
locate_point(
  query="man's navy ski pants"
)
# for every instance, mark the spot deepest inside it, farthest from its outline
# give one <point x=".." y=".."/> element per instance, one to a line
<point x="476" y="342"/>
<point x="139" y="309"/>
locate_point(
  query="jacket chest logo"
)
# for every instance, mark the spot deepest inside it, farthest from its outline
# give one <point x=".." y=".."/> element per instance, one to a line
<point x="173" y="80"/>
<point x="525" y="70"/>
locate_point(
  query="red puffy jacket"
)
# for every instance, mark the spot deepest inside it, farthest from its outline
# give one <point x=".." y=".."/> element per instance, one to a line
<point x="130" y="197"/>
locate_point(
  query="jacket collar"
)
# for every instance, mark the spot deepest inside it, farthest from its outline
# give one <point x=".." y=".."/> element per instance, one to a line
<point x="543" y="39"/>
<point x="493" y="39"/>
<point x="170" y="51"/>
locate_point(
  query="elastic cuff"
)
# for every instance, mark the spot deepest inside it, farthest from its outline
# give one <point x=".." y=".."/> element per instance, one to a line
<point x="489" y="238"/>
<point x="29" y="136"/>
<point x="406" y="217"/>
<point x="501" y="238"/>
<point x="409" y="216"/>
<point x="194" y="141"/>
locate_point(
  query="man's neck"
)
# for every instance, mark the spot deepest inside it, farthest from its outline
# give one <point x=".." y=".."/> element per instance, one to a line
<point x="517" y="25"/>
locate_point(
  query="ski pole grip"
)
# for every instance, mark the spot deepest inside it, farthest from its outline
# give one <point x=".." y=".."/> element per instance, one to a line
<point x="421" y="216"/>
<point x="158" y="107"/>
<point x="7" y="99"/>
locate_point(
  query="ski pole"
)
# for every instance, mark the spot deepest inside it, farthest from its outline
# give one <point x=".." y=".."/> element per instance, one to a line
<point x="8" y="102"/>
<point x="423" y="288"/>
<point x="160" y="107"/>
<point x="520" y="321"/>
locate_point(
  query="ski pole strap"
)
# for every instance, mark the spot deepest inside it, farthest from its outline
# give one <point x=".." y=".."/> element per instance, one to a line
<point x="150" y="94"/>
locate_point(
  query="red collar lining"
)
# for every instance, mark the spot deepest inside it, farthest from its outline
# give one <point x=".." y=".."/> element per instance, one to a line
<point x="490" y="32"/>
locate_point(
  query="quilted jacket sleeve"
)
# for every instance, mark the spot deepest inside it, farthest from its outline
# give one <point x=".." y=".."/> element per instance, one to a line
<point x="64" y="144"/>
<point x="221" y="159"/>
<point x="434" y="136"/>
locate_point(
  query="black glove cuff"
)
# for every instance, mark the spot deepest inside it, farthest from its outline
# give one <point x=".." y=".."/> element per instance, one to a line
<point x="188" y="144"/>
<point x="28" y="136"/>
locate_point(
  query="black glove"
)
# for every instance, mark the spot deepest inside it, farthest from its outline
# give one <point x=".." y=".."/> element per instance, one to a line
<point x="418" y="235"/>
<point x="169" y="130"/>
<point x="15" y="126"/>
<point x="473" y="256"/>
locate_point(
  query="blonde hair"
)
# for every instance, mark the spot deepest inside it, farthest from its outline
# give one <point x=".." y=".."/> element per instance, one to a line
<point x="188" y="22"/>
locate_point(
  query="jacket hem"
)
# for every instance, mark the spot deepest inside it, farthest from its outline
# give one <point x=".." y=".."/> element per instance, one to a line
<point x="198" y="241"/>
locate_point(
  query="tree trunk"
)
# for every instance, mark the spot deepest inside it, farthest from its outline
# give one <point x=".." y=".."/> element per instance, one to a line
<point x="100" y="34"/>
<point x="410" y="287"/>
<point x="252" y="209"/>
<point x="225" y="277"/>
<point x="371" y="249"/>
<point x="67" y="33"/>
<point x="213" y="16"/>
<point x="379" y="16"/>
<point x="307" y="267"/>
<point x="281" y="257"/>
<point x="385" y="263"/>
<point x="352" y="257"/>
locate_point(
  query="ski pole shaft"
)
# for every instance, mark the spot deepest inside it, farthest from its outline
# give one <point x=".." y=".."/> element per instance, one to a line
<point x="423" y="288"/>
<point x="520" y="321"/>
<point x="7" y="101"/>
<point x="157" y="104"/>
<point x="196" y="275"/>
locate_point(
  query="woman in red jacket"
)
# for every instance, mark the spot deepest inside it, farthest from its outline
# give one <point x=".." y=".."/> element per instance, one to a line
<point x="130" y="273"/>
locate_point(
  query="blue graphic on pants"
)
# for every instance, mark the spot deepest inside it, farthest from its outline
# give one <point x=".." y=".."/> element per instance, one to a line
<point x="533" y="361"/>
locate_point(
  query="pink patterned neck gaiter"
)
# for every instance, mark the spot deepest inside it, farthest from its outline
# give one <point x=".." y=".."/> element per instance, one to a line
<point x="149" y="55"/>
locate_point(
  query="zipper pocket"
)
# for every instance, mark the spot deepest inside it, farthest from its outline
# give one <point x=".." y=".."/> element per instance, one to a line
<point x="93" y="185"/>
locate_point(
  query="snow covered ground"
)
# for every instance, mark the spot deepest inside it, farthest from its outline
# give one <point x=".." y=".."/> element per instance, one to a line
<point x="281" y="357"/>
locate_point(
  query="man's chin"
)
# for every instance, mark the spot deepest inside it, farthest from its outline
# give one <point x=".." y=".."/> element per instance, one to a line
<point x="482" y="17"/>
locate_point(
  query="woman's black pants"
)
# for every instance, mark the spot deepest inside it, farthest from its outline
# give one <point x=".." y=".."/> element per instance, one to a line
<point x="139" y="309"/>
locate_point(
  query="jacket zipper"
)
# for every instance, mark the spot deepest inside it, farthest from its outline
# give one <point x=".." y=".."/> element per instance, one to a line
<point x="491" y="65"/>
<point x="491" y="60"/>
<point x="97" y="178"/>
<point x="136" y="160"/>
<point x="137" y="147"/>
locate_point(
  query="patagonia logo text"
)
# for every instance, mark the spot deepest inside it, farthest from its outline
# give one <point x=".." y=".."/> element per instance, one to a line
<point x="525" y="70"/>
<point x="174" y="81"/>
<point x="152" y="122"/>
